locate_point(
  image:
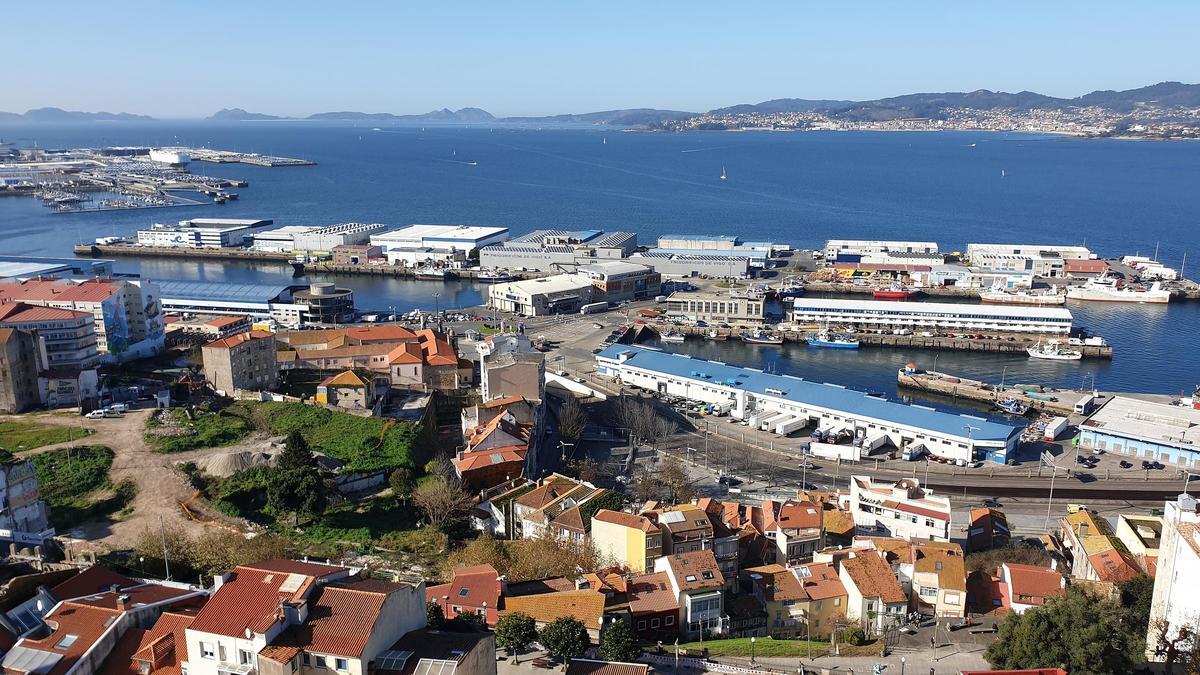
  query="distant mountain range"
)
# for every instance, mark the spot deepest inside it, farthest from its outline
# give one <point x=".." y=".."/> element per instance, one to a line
<point x="60" y="115"/>
<point x="932" y="105"/>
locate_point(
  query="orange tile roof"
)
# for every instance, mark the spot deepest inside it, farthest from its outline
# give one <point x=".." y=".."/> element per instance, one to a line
<point x="873" y="578"/>
<point x="820" y="581"/>
<point x="1033" y="585"/>
<point x="481" y="459"/>
<point x="86" y="623"/>
<point x="502" y="401"/>
<point x="793" y="515"/>
<point x="469" y="587"/>
<point x="56" y="290"/>
<point x="587" y="606"/>
<point x="1113" y="565"/>
<point x="164" y="646"/>
<point x="838" y="522"/>
<point x="346" y="378"/>
<point x="341" y="619"/>
<point x="146" y="594"/>
<point x="249" y="599"/>
<point x="500" y="423"/>
<point x="380" y="333"/>
<point x="235" y="340"/>
<point x="552" y="489"/>
<point x="696" y="570"/>
<point x="778" y="584"/>
<point x="626" y="520"/>
<point x="95" y="579"/>
<point x="19" y="312"/>
<point x="224" y="321"/>
<point x="590" y="667"/>
<point x="438" y="352"/>
<point x="651" y="593"/>
<point x="945" y="562"/>
<point x="120" y="660"/>
<point x="408" y="352"/>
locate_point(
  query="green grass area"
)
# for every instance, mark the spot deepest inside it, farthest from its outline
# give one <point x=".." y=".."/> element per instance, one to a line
<point x="365" y="443"/>
<point x="770" y="647"/>
<point x="20" y="435"/>
<point x="361" y="523"/>
<point x="177" y="433"/>
<point x="75" y="484"/>
<point x="488" y="330"/>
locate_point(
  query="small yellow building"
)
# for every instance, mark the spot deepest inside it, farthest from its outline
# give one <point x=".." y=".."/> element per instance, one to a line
<point x="631" y="541"/>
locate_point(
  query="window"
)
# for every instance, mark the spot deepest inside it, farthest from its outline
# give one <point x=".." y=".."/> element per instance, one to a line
<point x="670" y="620"/>
<point x="654" y="623"/>
<point x="221" y="650"/>
<point x="837" y="602"/>
<point x="306" y="659"/>
<point x="245" y="658"/>
<point x="206" y="650"/>
<point x="66" y="641"/>
<point x="642" y="624"/>
<point x="295" y="663"/>
<point x="342" y="665"/>
<point x="462" y="592"/>
<point x="319" y="661"/>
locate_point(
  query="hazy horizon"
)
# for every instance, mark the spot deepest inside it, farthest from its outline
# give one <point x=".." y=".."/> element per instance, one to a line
<point x="538" y="58"/>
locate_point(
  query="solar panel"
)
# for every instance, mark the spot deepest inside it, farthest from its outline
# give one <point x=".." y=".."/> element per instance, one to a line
<point x="435" y="667"/>
<point x="392" y="660"/>
<point x="292" y="583"/>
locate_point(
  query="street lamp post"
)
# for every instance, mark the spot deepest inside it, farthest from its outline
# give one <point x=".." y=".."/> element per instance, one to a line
<point x="752" y="640"/>
<point x="901" y="665"/>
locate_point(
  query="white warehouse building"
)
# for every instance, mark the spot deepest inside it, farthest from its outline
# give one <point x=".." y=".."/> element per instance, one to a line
<point x="202" y="233"/>
<point x="753" y="394"/>
<point x="865" y="247"/>
<point x="932" y="316"/>
<point x="462" y="237"/>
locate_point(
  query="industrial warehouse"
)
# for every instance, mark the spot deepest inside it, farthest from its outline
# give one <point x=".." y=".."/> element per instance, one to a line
<point x="933" y="316"/>
<point x="784" y="404"/>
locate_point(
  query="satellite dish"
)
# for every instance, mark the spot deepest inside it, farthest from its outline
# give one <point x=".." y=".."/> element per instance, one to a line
<point x="249" y="633"/>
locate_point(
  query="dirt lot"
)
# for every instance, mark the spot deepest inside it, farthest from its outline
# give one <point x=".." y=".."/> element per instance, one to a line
<point x="160" y="487"/>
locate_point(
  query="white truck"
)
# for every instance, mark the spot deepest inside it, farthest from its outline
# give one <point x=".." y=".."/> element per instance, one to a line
<point x="872" y="441"/>
<point x="788" y="426"/>
<point x="1054" y="429"/>
<point x="846" y="453"/>
<point x="913" y="451"/>
<point x="770" y="422"/>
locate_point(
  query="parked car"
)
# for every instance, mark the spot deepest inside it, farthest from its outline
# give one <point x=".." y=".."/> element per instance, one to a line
<point x="991" y="503"/>
<point x="95" y="415"/>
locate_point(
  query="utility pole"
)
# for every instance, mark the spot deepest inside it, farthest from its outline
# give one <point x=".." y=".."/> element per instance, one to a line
<point x="166" y="555"/>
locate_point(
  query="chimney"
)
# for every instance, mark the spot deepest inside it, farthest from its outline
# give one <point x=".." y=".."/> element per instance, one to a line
<point x="123" y="601"/>
<point x="1053" y="563"/>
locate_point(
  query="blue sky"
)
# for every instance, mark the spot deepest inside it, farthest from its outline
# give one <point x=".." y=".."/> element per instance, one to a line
<point x="187" y="59"/>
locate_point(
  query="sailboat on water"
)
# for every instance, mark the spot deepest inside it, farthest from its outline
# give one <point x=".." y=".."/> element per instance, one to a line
<point x="723" y="173"/>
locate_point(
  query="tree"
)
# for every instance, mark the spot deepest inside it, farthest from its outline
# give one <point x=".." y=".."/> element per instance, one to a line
<point x="587" y="470"/>
<point x="572" y="420"/>
<point x="642" y="418"/>
<point x="441" y="467"/>
<point x="296" y="454"/>
<point x="1178" y="649"/>
<point x="485" y="550"/>
<point x="442" y="501"/>
<point x="619" y="644"/>
<point x="469" y="621"/>
<point x="515" y="631"/>
<point x="402" y="483"/>
<point x="434" y="616"/>
<point x="675" y="480"/>
<point x="1076" y="632"/>
<point x="299" y="492"/>
<point x="566" y="638"/>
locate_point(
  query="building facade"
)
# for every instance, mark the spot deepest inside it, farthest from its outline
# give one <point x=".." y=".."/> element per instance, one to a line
<point x="18" y="370"/>
<point x="244" y="361"/>
<point x="560" y="294"/>
<point x="901" y="510"/>
<point x="617" y="281"/>
<point x="717" y="308"/>
<point x="202" y="233"/>
<point x="1145" y="430"/>
<point x="933" y="316"/>
<point x="24" y="517"/>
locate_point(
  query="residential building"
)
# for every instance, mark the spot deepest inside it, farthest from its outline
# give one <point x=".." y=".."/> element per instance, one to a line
<point x="1094" y="552"/>
<point x="875" y="599"/>
<point x="591" y="667"/>
<point x="988" y="529"/>
<point x="127" y="315"/>
<point x="356" y="390"/>
<point x="586" y="605"/>
<point x="782" y="596"/>
<point x="903" y="510"/>
<point x="494" y="453"/>
<point x="712" y="307"/>
<point x="79" y="634"/>
<point x="202" y="233"/>
<point x="653" y="605"/>
<point x="617" y="280"/>
<point x="562" y="518"/>
<point x="440" y="652"/>
<point x="559" y="294"/>
<point x="754" y="393"/>
<point x="202" y="329"/>
<point x="91" y="580"/>
<point x="795" y="529"/>
<point x="684" y="527"/>
<point x="632" y="541"/>
<point x="1175" y="602"/>
<point x="285" y="616"/>
<point x="826" y="598"/>
<point x="19" y="356"/>
<point x="510" y="366"/>
<point x="472" y="590"/>
<point x="554" y="491"/>
<point x="522" y="410"/>
<point x="24" y="518"/>
<point x="726" y="540"/>
<point x="938" y="317"/>
<point x="1144" y="429"/>
<point x="325" y="303"/>
<point x="412" y="360"/>
<point x="939" y="579"/>
<point x="459" y="237"/>
<point x="1142" y="537"/>
<point x="66" y="337"/>
<point x="1026" y="586"/>
<point x="244" y="361"/>
<point x="699" y="587"/>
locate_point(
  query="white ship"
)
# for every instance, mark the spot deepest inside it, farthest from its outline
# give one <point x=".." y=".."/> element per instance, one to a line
<point x="1054" y="351"/>
<point x="170" y="157"/>
<point x="673" y="337"/>
<point x="1001" y="296"/>
<point x="1108" y="289"/>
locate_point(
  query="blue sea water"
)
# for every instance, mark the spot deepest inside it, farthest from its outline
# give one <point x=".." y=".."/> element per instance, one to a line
<point x="1117" y="197"/>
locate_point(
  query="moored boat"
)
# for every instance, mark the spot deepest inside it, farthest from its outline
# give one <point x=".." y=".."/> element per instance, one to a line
<point x="714" y="335"/>
<point x="1000" y="296"/>
<point x="1109" y="289"/>
<point x="894" y="292"/>
<point x="830" y="339"/>
<point x="1012" y="406"/>
<point x="759" y="337"/>
<point x="492" y="276"/>
<point x="1054" y="351"/>
<point x="672" y="336"/>
<point x="431" y="274"/>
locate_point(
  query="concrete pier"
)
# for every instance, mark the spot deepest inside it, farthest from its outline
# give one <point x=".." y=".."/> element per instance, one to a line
<point x="976" y="390"/>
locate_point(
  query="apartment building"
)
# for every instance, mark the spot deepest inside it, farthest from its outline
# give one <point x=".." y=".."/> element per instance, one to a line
<point x="1094" y="552"/>
<point x="412" y="360"/>
<point x="472" y="590"/>
<point x="653" y="606"/>
<point x="875" y="599"/>
<point x="939" y="579"/>
<point x="19" y="356"/>
<point x="510" y="366"/>
<point x="244" y="361"/>
<point x="632" y="541"/>
<point x="66" y="337"/>
<point x="782" y="596"/>
<point x="698" y="585"/>
<point x="1175" y="599"/>
<point x="903" y="509"/>
<point x="827" y="598"/>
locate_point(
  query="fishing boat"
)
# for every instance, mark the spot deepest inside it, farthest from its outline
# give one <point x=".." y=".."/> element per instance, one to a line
<point x="1054" y="351"/>
<point x="673" y="336"/>
<point x="1001" y="296"/>
<point x="431" y="274"/>
<point x="715" y="336"/>
<point x="758" y="337"/>
<point x="1012" y="406"/>
<point x="894" y="292"/>
<point x="831" y="340"/>
<point x="492" y="276"/>
<point x="1109" y="289"/>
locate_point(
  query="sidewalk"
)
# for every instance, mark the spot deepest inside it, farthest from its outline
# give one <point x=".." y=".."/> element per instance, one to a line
<point x="949" y="660"/>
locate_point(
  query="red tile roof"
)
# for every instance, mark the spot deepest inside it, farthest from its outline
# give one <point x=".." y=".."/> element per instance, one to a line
<point x="470" y="587"/>
<point x="224" y="321"/>
<point x="86" y="623"/>
<point x="1114" y="565"/>
<point x="590" y="667"/>
<point x="777" y="583"/>
<point x="1033" y="585"/>
<point x="341" y="619"/>
<point x="626" y="520"/>
<point x="438" y="352"/>
<point x="873" y="577"/>
<point x="95" y="579"/>
<point x="820" y="581"/>
<point x="481" y="459"/>
<point x="251" y="596"/>
<point x="57" y="290"/>
<point x="587" y="606"/>
<point x="651" y="593"/>
<point x="235" y="340"/>
<point x="696" y="570"/>
<point x="19" y="312"/>
<point x="146" y="594"/>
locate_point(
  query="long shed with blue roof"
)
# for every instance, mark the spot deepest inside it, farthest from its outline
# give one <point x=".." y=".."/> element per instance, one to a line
<point x="754" y="393"/>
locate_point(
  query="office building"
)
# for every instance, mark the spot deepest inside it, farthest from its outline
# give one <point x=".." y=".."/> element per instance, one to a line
<point x="1145" y="430"/>
<point x="901" y="510"/>
<point x="460" y="237"/>
<point x="717" y="308"/>
<point x="617" y="280"/>
<point x="932" y="316"/>
<point x="203" y="233"/>
<point x="754" y="393"/>
<point x="244" y="361"/>
<point x="559" y="294"/>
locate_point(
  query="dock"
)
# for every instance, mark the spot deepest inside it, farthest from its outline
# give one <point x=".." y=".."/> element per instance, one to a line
<point x="1189" y="291"/>
<point x="398" y="271"/>
<point x="1054" y="401"/>
<point x="231" y="157"/>
<point x="109" y="250"/>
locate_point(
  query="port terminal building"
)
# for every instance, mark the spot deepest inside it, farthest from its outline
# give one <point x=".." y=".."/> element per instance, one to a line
<point x="319" y="238"/>
<point x="203" y="233"/>
<point x="1145" y="430"/>
<point x="757" y="253"/>
<point x="933" y="316"/>
<point x="547" y="250"/>
<point x="789" y="400"/>
<point x="288" y="305"/>
<point x="461" y="237"/>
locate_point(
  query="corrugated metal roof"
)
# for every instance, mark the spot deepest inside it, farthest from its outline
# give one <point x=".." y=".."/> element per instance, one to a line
<point x="812" y="394"/>
<point x="212" y="290"/>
